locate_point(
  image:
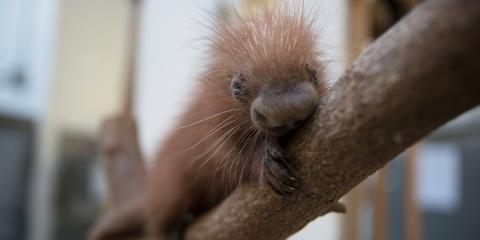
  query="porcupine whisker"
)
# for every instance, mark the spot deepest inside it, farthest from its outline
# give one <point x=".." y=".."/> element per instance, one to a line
<point x="212" y="147"/>
<point x="207" y="118"/>
<point x="228" y="164"/>
<point x="256" y="165"/>
<point x="230" y="134"/>
<point x="232" y="170"/>
<point x="252" y="152"/>
<point x="214" y="130"/>
<point x="234" y="161"/>
<point x="246" y="159"/>
<point x="222" y="162"/>
<point x="209" y="134"/>
<point x="221" y="97"/>
<point x="243" y="132"/>
<point x="223" y="138"/>
<point x="216" y="142"/>
<point x="257" y="150"/>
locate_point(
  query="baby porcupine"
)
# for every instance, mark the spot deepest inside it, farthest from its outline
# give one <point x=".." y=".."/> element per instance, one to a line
<point x="263" y="80"/>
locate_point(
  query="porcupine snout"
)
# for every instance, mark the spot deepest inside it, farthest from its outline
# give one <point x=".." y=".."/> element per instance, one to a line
<point x="281" y="109"/>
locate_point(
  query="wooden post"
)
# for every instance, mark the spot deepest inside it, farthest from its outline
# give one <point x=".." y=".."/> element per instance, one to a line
<point x="358" y="39"/>
<point x="380" y="205"/>
<point x="124" y="166"/>
<point x="355" y="199"/>
<point x="413" y="223"/>
<point x="134" y="35"/>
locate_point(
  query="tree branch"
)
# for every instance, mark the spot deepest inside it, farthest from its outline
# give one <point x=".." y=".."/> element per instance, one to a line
<point x="419" y="75"/>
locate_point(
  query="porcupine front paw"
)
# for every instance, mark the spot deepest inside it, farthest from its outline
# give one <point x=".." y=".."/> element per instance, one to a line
<point x="277" y="172"/>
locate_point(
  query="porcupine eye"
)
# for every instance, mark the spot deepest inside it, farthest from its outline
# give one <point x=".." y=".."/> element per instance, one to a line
<point x="313" y="76"/>
<point x="239" y="88"/>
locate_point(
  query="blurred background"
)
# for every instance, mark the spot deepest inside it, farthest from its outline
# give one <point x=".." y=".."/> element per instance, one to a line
<point x="66" y="65"/>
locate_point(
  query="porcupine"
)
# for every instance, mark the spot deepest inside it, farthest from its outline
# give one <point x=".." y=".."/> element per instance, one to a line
<point x="263" y="80"/>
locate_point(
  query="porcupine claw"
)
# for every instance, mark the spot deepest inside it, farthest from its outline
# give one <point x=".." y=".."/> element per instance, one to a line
<point x="277" y="172"/>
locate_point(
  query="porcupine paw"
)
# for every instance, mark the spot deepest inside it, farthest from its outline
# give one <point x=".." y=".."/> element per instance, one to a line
<point x="277" y="172"/>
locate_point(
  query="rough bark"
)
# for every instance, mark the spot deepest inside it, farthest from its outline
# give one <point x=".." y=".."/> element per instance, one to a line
<point x="419" y="75"/>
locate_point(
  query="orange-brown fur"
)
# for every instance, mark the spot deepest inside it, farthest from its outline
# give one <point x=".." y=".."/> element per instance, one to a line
<point x="201" y="163"/>
<point x="216" y="146"/>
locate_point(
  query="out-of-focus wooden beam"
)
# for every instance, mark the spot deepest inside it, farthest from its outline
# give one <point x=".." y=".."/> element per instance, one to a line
<point x="413" y="218"/>
<point x="380" y="205"/>
<point x="357" y="37"/>
<point x="134" y="35"/>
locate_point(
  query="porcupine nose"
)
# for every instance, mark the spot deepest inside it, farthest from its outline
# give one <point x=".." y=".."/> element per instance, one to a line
<point x="282" y="109"/>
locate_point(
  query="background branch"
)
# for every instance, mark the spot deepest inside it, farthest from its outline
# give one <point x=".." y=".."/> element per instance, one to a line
<point x="422" y="73"/>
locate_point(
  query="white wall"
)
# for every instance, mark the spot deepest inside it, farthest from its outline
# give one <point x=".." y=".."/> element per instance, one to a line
<point x="169" y="62"/>
<point x="87" y="85"/>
